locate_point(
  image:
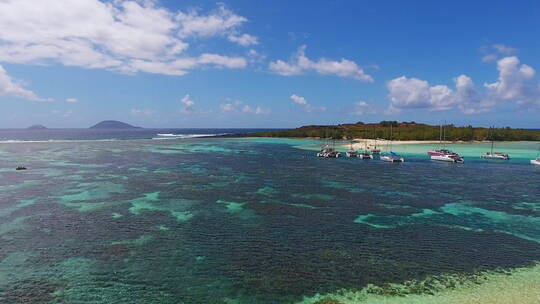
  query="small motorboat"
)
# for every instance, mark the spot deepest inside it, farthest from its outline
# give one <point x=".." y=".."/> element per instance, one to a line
<point x="495" y="155"/>
<point x="20" y="168"/>
<point x="365" y="155"/>
<point x="536" y="161"/>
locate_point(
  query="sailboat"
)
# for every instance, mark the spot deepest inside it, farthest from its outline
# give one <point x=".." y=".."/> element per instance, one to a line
<point x="374" y="150"/>
<point x="444" y="154"/>
<point x="365" y="154"/>
<point x="391" y="156"/>
<point x="328" y="151"/>
<point x="351" y="152"/>
<point x="494" y="155"/>
<point x="537" y="160"/>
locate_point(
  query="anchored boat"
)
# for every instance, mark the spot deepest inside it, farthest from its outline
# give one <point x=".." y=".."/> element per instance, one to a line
<point x="537" y="160"/>
<point x="445" y="154"/>
<point x="494" y="155"/>
<point x="351" y="152"/>
<point x="391" y="156"/>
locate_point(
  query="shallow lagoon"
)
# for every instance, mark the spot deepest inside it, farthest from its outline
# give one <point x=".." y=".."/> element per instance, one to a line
<point x="257" y="220"/>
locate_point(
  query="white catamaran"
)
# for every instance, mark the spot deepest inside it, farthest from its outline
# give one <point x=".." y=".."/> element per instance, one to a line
<point x="494" y="155"/>
<point x="444" y="154"/>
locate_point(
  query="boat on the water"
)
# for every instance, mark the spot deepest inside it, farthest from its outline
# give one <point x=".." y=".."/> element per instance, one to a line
<point x="391" y="156"/>
<point x="351" y="152"/>
<point x="20" y="168"/>
<point x="443" y="154"/>
<point x="366" y="154"/>
<point x="494" y="155"/>
<point x="536" y="161"/>
<point x="446" y="155"/>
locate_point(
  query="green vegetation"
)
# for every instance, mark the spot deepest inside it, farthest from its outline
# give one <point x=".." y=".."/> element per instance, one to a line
<point x="405" y="131"/>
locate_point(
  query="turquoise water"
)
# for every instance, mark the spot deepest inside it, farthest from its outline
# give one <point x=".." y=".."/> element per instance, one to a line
<point x="252" y="220"/>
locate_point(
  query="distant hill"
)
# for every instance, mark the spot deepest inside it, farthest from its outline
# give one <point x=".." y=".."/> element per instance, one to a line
<point x="113" y="124"/>
<point x="37" y="127"/>
<point x="405" y="131"/>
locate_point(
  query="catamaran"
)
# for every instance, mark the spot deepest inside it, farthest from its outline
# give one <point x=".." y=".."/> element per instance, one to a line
<point x="352" y="152"/>
<point x="445" y="154"/>
<point x="365" y="154"/>
<point x="391" y="156"/>
<point x="328" y="151"/>
<point x="494" y="155"/>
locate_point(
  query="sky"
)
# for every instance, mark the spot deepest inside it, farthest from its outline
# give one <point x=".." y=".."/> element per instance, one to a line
<point x="268" y="64"/>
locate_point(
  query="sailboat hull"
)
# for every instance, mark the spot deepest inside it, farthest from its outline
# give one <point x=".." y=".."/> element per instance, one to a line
<point x="495" y="156"/>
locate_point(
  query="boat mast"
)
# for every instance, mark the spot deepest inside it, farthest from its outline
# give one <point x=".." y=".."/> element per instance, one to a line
<point x="492" y="141"/>
<point x="390" y="138"/>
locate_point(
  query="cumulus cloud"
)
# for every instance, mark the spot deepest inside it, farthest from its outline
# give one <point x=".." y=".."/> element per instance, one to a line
<point x="121" y="35"/>
<point x="305" y="105"/>
<point x="188" y="105"/>
<point x="516" y="84"/>
<point x="10" y="87"/>
<point x="239" y="107"/>
<point x="299" y="64"/>
<point x="72" y="100"/>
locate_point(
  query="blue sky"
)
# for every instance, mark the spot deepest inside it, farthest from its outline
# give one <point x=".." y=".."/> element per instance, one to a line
<point x="72" y="63"/>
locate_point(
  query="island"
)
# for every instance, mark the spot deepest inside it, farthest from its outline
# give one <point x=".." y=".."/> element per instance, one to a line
<point x="113" y="124"/>
<point x="37" y="127"/>
<point x="405" y="131"/>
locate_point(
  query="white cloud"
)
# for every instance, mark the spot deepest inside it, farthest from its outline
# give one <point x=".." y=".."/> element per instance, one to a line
<point x="72" y="100"/>
<point x="516" y="83"/>
<point x="492" y="52"/>
<point x="299" y="64"/>
<point x="142" y="112"/>
<point x="121" y="35"/>
<point x="504" y="49"/>
<point x="239" y="107"/>
<point x="305" y="105"/>
<point x="362" y="107"/>
<point x="11" y="88"/>
<point x="244" y="39"/>
<point x="188" y="105"/>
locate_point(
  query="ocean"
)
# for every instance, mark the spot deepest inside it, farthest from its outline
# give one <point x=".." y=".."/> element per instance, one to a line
<point x="137" y="217"/>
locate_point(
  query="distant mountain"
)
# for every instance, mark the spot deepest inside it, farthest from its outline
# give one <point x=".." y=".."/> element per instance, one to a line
<point x="37" y="127"/>
<point x="113" y="124"/>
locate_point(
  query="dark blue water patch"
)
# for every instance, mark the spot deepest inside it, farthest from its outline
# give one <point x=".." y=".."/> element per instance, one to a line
<point x="106" y="134"/>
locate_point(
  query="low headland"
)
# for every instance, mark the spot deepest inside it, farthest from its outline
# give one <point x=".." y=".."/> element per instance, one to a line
<point x="404" y="132"/>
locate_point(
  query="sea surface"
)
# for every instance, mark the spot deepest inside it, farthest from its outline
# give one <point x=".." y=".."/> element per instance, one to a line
<point x="128" y="218"/>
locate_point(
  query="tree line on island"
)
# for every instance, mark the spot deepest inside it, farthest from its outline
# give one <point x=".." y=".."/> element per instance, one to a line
<point x="405" y="131"/>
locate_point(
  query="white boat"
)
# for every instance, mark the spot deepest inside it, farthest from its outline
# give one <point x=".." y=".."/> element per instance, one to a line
<point x="365" y="155"/>
<point x="391" y="156"/>
<point x="351" y="152"/>
<point x="494" y="155"/>
<point x="445" y="154"/>
<point x="536" y="161"/>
